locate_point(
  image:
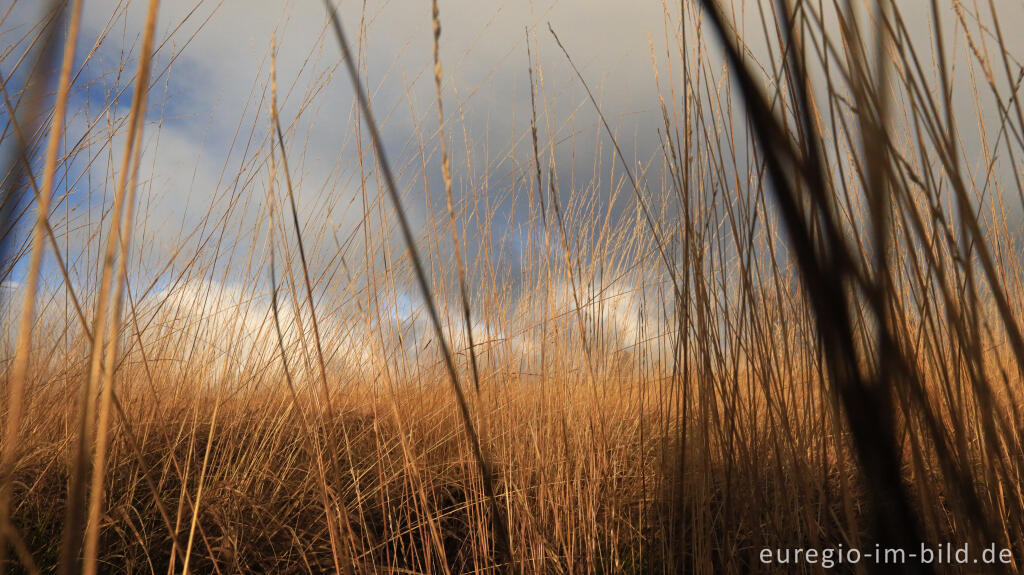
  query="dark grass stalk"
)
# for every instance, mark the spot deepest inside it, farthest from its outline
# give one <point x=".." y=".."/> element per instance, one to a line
<point x="541" y="200"/>
<point x="866" y="404"/>
<point x="342" y="559"/>
<point x="311" y="445"/>
<point x="30" y="176"/>
<point x="330" y="418"/>
<point x="43" y="58"/>
<point x="499" y="527"/>
<point x="307" y="284"/>
<point x="20" y="368"/>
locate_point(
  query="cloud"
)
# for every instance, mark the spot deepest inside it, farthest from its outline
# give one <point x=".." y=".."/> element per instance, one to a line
<point x="213" y="108"/>
<point x="231" y="334"/>
<point x="205" y="172"/>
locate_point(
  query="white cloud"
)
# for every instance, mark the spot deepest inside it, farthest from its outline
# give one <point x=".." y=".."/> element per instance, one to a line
<point x="204" y="172"/>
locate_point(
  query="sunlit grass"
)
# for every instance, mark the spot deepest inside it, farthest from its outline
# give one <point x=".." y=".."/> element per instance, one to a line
<point x="795" y="327"/>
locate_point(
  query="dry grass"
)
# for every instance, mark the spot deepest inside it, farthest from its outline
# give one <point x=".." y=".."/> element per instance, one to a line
<point x="796" y="326"/>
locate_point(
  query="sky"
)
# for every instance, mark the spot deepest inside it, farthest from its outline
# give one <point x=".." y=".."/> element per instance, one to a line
<point x="214" y="91"/>
<point x="212" y="98"/>
<point x="204" y="173"/>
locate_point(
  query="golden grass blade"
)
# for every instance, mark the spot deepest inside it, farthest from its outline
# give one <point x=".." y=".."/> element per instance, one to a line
<point x="90" y="446"/>
<point x="446" y="174"/>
